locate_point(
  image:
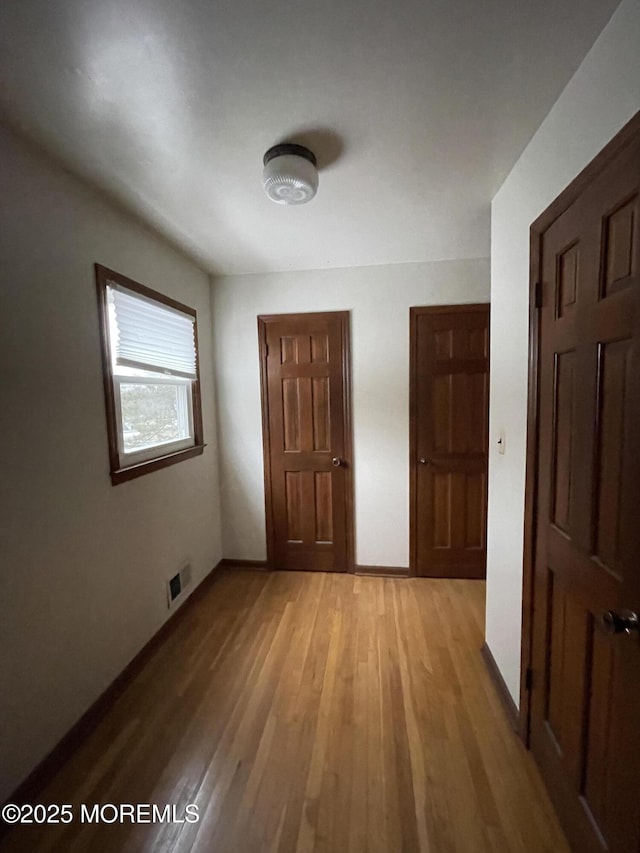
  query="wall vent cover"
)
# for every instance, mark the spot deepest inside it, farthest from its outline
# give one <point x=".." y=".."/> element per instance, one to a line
<point x="177" y="584"/>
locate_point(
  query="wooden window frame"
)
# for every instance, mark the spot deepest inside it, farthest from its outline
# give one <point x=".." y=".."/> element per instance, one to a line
<point x="120" y="474"/>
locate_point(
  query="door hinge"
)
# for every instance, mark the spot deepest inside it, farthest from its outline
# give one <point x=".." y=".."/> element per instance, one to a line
<point x="538" y="294"/>
<point x="266" y="350"/>
<point x="528" y="678"/>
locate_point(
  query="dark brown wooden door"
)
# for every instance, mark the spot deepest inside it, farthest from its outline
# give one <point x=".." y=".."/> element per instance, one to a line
<point x="306" y="421"/>
<point x="585" y="702"/>
<point x="449" y="422"/>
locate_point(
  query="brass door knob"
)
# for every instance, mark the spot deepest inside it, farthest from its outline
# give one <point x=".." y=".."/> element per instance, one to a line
<point x="336" y="462"/>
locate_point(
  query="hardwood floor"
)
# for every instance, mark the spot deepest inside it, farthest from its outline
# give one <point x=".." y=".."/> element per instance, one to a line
<point x="312" y="712"/>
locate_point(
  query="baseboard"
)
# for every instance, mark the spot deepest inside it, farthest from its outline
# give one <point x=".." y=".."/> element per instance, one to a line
<point x="44" y="772"/>
<point x="382" y="571"/>
<point x="502" y="690"/>
<point x="263" y="565"/>
<point x="228" y="563"/>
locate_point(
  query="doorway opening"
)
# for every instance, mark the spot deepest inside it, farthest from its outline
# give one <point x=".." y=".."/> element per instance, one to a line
<point x="449" y="410"/>
<point x="306" y="419"/>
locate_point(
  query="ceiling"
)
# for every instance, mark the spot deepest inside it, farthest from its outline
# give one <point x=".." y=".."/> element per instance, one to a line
<point x="416" y="110"/>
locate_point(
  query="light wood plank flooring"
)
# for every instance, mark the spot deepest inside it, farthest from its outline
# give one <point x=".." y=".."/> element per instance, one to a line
<point x="312" y="712"/>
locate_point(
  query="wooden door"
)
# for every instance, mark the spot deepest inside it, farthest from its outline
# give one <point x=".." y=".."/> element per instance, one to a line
<point x="449" y="423"/>
<point x="585" y="700"/>
<point x="307" y="446"/>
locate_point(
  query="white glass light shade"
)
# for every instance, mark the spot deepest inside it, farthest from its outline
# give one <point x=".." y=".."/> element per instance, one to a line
<point x="289" y="178"/>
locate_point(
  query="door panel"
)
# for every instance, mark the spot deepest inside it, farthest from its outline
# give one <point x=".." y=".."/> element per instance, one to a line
<point x="449" y="415"/>
<point x="305" y="385"/>
<point x="585" y="701"/>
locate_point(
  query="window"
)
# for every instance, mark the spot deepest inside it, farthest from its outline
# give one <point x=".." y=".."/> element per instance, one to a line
<point x="152" y="392"/>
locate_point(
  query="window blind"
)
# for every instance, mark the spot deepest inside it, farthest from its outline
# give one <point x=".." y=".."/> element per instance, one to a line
<point x="152" y="336"/>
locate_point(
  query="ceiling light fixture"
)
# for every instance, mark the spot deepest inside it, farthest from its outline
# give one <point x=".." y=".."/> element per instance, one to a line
<point x="290" y="175"/>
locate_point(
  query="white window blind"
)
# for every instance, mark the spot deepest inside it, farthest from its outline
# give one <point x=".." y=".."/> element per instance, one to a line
<point x="152" y="336"/>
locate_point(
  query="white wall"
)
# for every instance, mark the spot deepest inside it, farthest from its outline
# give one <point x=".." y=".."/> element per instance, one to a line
<point x="379" y="299"/>
<point x="602" y="96"/>
<point x="83" y="563"/>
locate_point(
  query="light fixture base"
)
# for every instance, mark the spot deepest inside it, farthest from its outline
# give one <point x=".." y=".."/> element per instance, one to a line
<point x="289" y="148"/>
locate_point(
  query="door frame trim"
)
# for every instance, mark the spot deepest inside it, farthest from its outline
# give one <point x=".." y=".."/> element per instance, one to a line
<point x="626" y="136"/>
<point x="264" y="320"/>
<point x="414" y="313"/>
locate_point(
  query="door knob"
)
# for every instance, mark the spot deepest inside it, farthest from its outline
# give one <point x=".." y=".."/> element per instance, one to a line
<point x="424" y="461"/>
<point x="336" y="462"/>
<point x="622" y="622"/>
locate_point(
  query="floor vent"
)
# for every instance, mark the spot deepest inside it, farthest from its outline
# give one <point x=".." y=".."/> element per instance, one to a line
<point x="178" y="584"/>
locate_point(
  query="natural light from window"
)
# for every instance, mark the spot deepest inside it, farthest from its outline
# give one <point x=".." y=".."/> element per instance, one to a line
<point x="153" y="408"/>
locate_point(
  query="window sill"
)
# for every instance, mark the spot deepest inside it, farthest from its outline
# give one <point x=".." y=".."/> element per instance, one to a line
<point x="122" y="475"/>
